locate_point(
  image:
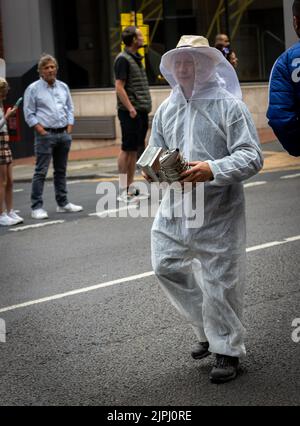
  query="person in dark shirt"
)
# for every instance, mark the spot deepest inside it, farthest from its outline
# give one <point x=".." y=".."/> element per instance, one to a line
<point x="134" y="105"/>
<point x="222" y="43"/>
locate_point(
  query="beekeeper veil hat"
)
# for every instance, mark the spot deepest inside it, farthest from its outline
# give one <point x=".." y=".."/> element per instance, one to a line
<point x="203" y="70"/>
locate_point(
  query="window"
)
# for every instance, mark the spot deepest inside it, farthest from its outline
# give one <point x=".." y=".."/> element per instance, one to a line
<point x="88" y="34"/>
<point x="82" y="43"/>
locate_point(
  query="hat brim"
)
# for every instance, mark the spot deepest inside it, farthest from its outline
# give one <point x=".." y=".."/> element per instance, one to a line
<point x="211" y="52"/>
<point x="226" y="76"/>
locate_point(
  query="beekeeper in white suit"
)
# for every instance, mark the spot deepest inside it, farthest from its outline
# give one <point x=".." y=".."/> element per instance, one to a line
<point x="202" y="270"/>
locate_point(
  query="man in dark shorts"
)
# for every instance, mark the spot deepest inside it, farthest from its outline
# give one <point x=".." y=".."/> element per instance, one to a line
<point x="134" y="105"/>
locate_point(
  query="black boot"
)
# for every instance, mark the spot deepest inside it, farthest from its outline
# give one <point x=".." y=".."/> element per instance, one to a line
<point x="224" y="369"/>
<point x="200" y="350"/>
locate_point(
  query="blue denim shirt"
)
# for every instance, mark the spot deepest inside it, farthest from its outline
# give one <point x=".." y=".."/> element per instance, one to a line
<point x="50" y="106"/>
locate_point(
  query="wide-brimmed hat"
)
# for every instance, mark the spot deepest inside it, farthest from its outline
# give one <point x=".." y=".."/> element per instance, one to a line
<point x="193" y="43"/>
<point x="205" y="56"/>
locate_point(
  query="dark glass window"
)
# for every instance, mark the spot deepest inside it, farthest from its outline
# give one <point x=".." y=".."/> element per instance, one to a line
<point x="257" y="35"/>
<point x="82" y="42"/>
<point x="88" y="34"/>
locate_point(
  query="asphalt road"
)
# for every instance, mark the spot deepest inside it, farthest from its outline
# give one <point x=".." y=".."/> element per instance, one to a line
<point x="124" y="344"/>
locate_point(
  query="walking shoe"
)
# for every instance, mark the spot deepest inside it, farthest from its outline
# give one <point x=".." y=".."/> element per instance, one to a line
<point x="224" y="369"/>
<point x="6" y="220"/>
<point x="13" y="215"/>
<point x="128" y="198"/>
<point x="200" y="350"/>
<point x="69" y="208"/>
<point x="132" y="191"/>
<point x="39" y="214"/>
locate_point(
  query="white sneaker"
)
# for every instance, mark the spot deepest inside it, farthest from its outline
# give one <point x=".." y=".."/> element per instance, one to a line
<point x="39" y="214"/>
<point x="6" y="220"/>
<point x="13" y="215"/>
<point x="128" y="198"/>
<point x="139" y="195"/>
<point x="69" y="208"/>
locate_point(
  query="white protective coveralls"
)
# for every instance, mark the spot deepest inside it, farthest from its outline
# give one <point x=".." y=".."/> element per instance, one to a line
<point x="202" y="270"/>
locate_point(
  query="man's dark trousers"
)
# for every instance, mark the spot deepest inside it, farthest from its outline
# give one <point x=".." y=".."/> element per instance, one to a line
<point x="56" y="146"/>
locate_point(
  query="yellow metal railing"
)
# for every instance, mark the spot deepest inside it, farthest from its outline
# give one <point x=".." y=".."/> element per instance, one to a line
<point x="236" y="16"/>
<point x="145" y="12"/>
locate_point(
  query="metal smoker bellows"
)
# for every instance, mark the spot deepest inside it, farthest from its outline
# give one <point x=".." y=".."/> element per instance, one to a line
<point x="172" y="164"/>
<point x="161" y="165"/>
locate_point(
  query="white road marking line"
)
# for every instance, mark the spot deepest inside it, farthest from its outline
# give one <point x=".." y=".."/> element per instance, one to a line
<point x="250" y="185"/>
<point x="273" y="244"/>
<point x="20" y="167"/>
<point x="292" y="239"/>
<point x="38" y="225"/>
<point x="126" y="280"/>
<point x="73" y="182"/>
<point x="18" y="190"/>
<point x="75" y="292"/>
<point x="291" y="176"/>
<point x="114" y="178"/>
<point x="108" y="212"/>
<point x="84" y="166"/>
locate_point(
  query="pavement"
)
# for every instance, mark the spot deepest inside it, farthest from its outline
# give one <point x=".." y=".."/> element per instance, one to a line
<point x="102" y="162"/>
<point x="88" y="325"/>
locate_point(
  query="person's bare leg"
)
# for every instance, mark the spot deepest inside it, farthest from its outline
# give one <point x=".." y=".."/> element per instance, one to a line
<point x="2" y="187"/>
<point x="9" y="188"/>
<point x="131" y="169"/>
<point x="123" y="162"/>
<point x="127" y="164"/>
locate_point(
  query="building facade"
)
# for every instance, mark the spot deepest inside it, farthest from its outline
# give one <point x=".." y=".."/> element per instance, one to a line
<point x="86" y="39"/>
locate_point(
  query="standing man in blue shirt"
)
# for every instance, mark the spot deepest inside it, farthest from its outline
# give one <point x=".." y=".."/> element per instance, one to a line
<point x="48" y="108"/>
<point x="284" y="102"/>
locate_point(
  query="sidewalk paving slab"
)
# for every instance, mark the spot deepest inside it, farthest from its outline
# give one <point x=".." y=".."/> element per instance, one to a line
<point x="99" y="163"/>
